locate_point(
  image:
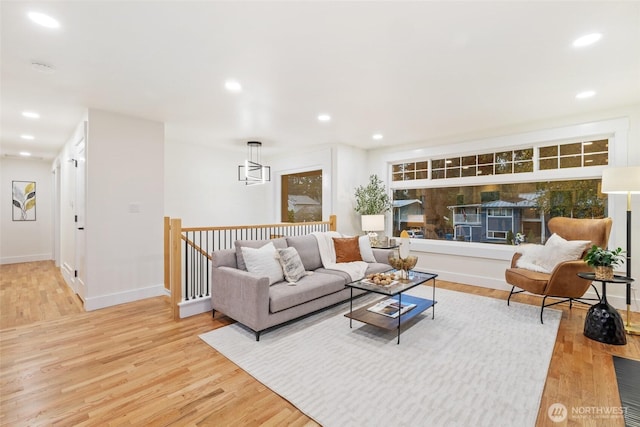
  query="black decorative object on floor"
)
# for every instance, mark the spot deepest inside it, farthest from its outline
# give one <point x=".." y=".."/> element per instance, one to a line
<point x="604" y="324"/>
<point x="628" y="376"/>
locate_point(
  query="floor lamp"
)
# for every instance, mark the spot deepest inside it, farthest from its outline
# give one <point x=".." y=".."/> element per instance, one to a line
<point x="624" y="180"/>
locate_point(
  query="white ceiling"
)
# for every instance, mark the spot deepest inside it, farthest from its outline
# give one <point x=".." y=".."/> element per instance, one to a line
<point x="413" y="71"/>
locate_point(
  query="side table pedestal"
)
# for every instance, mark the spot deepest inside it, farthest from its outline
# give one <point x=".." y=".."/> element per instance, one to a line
<point x="604" y="324"/>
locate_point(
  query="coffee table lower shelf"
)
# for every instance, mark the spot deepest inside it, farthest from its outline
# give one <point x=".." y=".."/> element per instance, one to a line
<point x="362" y="314"/>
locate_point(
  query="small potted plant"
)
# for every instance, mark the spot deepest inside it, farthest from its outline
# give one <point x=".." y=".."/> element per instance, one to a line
<point x="603" y="261"/>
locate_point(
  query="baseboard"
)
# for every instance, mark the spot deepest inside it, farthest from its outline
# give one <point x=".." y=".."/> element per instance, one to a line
<point x="25" y="258"/>
<point x="193" y="307"/>
<point x="102" y="301"/>
<point x="68" y="276"/>
<point x="468" y="279"/>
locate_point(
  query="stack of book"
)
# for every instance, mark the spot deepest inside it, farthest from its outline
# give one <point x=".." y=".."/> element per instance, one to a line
<point x="390" y="308"/>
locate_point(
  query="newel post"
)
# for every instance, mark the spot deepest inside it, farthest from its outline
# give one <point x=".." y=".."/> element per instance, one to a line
<point x="333" y="223"/>
<point x="167" y="253"/>
<point x="176" y="271"/>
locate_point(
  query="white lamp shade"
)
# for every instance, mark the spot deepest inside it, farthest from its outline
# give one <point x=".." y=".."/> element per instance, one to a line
<point x="621" y="180"/>
<point x="372" y="222"/>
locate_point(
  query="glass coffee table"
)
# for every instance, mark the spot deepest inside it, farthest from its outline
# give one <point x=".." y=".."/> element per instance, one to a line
<point x="395" y="291"/>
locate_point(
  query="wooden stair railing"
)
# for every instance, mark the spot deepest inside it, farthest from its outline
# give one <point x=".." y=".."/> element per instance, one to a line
<point x="194" y="247"/>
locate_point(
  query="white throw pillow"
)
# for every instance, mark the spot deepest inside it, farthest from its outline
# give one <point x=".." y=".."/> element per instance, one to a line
<point x="263" y="262"/>
<point x="531" y="258"/>
<point x="291" y="264"/>
<point x="366" y="253"/>
<point x="557" y="250"/>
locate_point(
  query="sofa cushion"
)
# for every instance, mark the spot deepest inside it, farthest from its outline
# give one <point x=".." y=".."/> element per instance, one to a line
<point x="377" y="267"/>
<point x="365" y="249"/>
<point x="279" y="243"/>
<point x="316" y="285"/>
<point x="291" y="264"/>
<point x="347" y="249"/>
<point x="373" y="267"/>
<point x="263" y="262"/>
<point x="224" y="258"/>
<point x="307" y="247"/>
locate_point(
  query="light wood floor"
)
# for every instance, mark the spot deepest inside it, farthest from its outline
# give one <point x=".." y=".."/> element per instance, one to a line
<point x="133" y="365"/>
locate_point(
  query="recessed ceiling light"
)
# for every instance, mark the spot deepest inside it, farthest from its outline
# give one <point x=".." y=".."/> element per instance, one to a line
<point x="233" y="86"/>
<point x="377" y="136"/>
<point x="31" y="114"/>
<point x="25" y="153"/>
<point x="324" y="117"/>
<point x="587" y="40"/>
<point x="585" y="94"/>
<point x="26" y="137"/>
<point x="44" y="20"/>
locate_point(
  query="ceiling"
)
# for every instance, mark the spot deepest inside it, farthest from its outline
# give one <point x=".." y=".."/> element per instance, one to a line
<point x="412" y="71"/>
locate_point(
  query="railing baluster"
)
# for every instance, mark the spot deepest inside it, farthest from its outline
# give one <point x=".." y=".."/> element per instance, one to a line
<point x="186" y="269"/>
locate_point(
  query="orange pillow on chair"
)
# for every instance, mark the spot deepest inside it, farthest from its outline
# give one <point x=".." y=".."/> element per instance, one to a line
<point x="347" y="249"/>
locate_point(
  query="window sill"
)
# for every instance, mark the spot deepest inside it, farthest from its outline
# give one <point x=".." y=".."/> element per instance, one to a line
<point x="464" y="249"/>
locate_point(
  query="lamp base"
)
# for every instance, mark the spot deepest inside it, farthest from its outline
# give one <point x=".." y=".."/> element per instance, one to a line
<point x="630" y="328"/>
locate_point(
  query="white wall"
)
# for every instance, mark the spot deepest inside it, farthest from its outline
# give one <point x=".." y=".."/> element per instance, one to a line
<point x="201" y="184"/>
<point x="352" y="170"/>
<point x="24" y="241"/>
<point x="477" y="265"/>
<point x="124" y="209"/>
<point x="202" y="188"/>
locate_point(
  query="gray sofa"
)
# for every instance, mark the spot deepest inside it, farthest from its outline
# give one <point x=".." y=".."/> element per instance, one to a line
<point x="250" y="300"/>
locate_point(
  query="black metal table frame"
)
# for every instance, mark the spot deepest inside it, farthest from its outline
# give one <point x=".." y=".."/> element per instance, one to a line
<point x="423" y="277"/>
<point x="604" y="305"/>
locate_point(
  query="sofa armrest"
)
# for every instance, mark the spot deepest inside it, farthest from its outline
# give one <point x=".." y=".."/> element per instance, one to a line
<point x="382" y="255"/>
<point x="241" y="295"/>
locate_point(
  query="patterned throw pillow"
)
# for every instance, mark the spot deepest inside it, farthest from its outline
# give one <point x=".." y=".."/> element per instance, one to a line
<point x="291" y="264"/>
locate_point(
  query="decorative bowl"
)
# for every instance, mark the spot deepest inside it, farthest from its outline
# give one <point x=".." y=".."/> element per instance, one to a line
<point x="403" y="265"/>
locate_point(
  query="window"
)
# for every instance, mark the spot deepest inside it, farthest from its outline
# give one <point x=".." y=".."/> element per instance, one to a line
<point x="557" y="156"/>
<point x="302" y="197"/>
<point x="494" y="213"/>
<point x="410" y="171"/>
<point x="574" y="155"/>
<point x="499" y="163"/>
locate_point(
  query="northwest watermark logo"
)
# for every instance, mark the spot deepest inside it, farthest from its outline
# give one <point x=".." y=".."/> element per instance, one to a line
<point x="557" y="412"/>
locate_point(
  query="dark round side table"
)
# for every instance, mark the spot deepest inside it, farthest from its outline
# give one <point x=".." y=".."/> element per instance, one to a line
<point x="603" y="322"/>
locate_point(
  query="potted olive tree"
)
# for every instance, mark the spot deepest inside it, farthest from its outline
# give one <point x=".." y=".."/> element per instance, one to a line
<point x="372" y="201"/>
<point x="603" y="261"/>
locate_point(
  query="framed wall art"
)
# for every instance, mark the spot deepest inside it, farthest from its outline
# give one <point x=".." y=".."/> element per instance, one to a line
<point x="24" y="200"/>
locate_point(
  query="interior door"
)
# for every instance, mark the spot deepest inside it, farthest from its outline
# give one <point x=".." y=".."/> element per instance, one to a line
<point x="80" y="208"/>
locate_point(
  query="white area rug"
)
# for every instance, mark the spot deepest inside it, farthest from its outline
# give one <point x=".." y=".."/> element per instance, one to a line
<point x="478" y="363"/>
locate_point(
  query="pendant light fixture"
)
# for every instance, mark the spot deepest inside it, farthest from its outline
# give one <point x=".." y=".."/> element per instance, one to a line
<point x="252" y="171"/>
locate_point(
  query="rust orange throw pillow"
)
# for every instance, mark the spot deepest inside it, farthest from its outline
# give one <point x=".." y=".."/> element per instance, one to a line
<point x="347" y="249"/>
